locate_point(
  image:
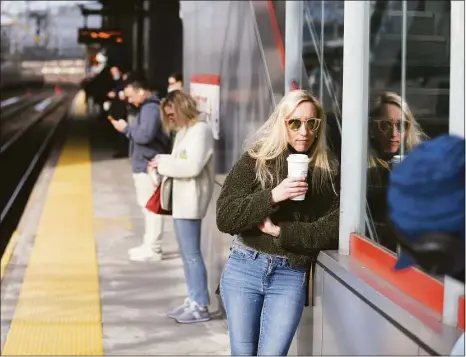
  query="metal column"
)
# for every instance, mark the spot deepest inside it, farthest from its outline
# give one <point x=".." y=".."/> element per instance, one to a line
<point x="453" y="288"/>
<point x="138" y="34"/>
<point x="146" y="37"/>
<point x="140" y="15"/>
<point x="355" y="120"/>
<point x="457" y="68"/>
<point x="293" y="44"/>
<point x="134" y="51"/>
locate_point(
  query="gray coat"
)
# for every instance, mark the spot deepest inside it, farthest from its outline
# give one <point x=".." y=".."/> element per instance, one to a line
<point x="146" y="136"/>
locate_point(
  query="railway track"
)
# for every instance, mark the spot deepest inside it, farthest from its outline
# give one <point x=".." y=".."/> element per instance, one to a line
<point x="18" y="106"/>
<point x="24" y="146"/>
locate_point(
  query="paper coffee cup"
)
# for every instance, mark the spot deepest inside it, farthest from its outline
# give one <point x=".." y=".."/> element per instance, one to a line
<point x="298" y="166"/>
<point x="396" y="159"/>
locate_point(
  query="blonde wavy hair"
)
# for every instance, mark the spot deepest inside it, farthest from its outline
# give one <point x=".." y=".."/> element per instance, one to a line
<point x="184" y="106"/>
<point x="270" y="143"/>
<point x="413" y="135"/>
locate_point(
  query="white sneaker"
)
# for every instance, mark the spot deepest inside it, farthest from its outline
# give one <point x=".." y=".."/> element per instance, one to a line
<point x="140" y="249"/>
<point x="145" y="256"/>
<point x="193" y="313"/>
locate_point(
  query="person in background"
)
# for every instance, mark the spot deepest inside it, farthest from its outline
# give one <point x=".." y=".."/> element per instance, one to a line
<point x="175" y="81"/>
<point x="426" y="205"/>
<point x="147" y="139"/>
<point x="118" y="109"/>
<point x="191" y="166"/>
<point x="385" y="140"/>
<point x="264" y="282"/>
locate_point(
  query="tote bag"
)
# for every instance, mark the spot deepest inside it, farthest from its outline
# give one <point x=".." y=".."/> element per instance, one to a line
<point x="161" y="200"/>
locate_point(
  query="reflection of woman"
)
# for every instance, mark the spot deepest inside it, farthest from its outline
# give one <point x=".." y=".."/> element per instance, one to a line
<point x="191" y="166"/>
<point x="263" y="285"/>
<point x="387" y="133"/>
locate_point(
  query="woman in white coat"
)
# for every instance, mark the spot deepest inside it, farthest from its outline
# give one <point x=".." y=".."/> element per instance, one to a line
<point x="191" y="166"/>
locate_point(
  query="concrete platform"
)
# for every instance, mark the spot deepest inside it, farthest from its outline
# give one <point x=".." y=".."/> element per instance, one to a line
<point x="134" y="297"/>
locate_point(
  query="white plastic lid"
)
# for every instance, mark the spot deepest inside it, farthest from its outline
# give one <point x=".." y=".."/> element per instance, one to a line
<point x="298" y="158"/>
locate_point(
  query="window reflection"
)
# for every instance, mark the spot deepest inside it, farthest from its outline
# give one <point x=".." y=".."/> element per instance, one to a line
<point x="393" y="131"/>
<point x="409" y="63"/>
<point x="409" y="81"/>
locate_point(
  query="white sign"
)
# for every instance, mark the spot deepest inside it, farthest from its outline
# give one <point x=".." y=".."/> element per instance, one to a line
<point x="208" y="103"/>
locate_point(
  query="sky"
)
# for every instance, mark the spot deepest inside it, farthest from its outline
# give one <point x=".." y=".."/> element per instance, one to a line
<point x="11" y="8"/>
<point x="19" y="6"/>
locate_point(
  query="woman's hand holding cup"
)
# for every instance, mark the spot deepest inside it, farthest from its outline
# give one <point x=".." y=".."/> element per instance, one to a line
<point x="289" y="188"/>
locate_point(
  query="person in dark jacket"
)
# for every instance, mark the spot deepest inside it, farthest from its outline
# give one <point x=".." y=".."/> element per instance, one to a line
<point x="118" y="109"/>
<point x="146" y="140"/>
<point x="426" y="205"/>
<point x="264" y="282"/>
<point x="175" y="82"/>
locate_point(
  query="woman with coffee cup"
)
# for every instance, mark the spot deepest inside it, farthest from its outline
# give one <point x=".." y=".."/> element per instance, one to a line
<point x="281" y="202"/>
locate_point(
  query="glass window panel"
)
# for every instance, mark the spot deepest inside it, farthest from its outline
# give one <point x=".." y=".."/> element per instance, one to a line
<point x="409" y="69"/>
<point x="323" y="58"/>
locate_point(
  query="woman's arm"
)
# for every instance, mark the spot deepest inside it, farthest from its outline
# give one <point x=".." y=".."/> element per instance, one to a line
<point x="199" y="148"/>
<point x="307" y="238"/>
<point x="238" y="207"/>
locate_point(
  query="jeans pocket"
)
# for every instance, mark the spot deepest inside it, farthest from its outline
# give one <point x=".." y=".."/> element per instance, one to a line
<point x="300" y="271"/>
<point x="295" y="269"/>
<point x="240" y="254"/>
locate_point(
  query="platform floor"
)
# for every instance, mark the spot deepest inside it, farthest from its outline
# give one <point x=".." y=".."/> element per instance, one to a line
<point x="68" y="287"/>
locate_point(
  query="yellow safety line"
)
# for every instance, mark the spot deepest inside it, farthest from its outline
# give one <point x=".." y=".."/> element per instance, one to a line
<point x="58" y="310"/>
<point x="8" y="253"/>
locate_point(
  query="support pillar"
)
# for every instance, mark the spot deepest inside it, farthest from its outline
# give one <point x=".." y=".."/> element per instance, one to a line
<point x="293" y="44"/>
<point x="355" y="121"/>
<point x="456" y="111"/>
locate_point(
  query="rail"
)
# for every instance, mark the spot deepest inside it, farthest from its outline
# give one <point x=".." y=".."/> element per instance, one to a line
<point x="36" y="119"/>
<point x="23" y="103"/>
<point x="32" y="157"/>
<point x="30" y="169"/>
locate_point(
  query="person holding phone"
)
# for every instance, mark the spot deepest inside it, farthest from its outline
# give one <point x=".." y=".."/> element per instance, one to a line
<point x="146" y="140"/>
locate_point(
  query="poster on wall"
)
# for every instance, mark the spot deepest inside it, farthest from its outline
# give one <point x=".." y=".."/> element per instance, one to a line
<point x="206" y="90"/>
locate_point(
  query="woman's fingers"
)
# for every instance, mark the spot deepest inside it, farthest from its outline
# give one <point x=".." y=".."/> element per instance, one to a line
<point x="298" y="184"/>
<point x="298" y="189"/>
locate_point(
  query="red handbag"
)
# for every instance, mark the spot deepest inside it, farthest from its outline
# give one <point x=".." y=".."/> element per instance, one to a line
<point x="155" y="205"/>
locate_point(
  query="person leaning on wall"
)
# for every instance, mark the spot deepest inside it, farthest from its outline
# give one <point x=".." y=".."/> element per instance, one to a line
<point x="264" y="282"/>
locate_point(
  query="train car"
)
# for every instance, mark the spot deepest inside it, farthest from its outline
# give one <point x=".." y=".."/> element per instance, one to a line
<point x="14" y="76"/>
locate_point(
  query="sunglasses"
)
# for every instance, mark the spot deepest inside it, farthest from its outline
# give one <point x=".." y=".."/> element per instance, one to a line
<point x="385" y="125"/>
<point x="311" y="124"/>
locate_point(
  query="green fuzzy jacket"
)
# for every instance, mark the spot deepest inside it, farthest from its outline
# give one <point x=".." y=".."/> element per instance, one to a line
<point x="307" y="227"/>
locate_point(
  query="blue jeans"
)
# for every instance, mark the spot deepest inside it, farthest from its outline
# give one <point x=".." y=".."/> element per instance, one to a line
<point x="264" y="299"/>
<point x="188" y="236"/>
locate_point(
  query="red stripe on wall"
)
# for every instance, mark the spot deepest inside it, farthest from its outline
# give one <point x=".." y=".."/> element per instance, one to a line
<point x="276" y="32"/>
<point x="411" y="281"/>
<point x="461" y="313"/>
<point x="206" y="79"/>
